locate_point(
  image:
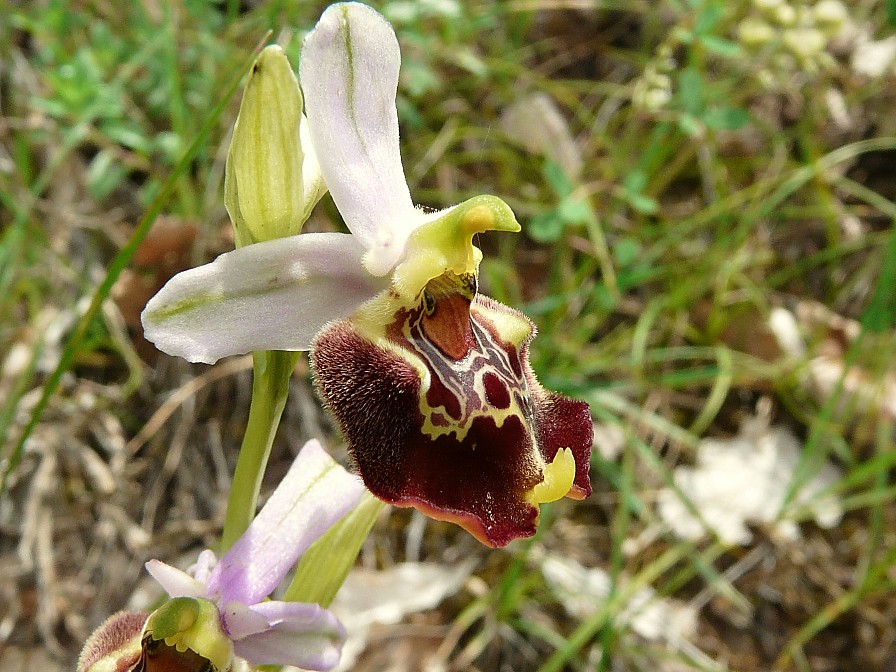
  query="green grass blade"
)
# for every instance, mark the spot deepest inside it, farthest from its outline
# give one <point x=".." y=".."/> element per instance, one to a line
<point x="118" y="264"/>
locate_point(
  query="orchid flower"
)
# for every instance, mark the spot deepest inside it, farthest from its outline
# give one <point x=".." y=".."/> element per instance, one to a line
<point x="429" y="381"/>
<point x="314" y="495"/>
<point x="220" y="609"/>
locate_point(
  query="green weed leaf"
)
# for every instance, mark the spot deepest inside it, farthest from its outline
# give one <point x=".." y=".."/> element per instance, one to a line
<point x="880" y="315"/>
<point x="545" y="227"/>
<point x="726" y="118"/>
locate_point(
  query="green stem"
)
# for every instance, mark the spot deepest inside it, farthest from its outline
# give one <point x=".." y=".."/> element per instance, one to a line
<point x="270" y="387"/>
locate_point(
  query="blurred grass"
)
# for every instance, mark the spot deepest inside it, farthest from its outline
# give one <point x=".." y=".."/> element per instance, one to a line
<point x="716" y="181"/>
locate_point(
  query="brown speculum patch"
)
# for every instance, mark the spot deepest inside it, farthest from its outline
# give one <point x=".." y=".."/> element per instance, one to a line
<point x="443" y="412"/>
<point x="161" y="657"/>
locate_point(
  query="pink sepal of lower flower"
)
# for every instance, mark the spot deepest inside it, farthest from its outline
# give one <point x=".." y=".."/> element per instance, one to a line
<point x="314" y="495"/>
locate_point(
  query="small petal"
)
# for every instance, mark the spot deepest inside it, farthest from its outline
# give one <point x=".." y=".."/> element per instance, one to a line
<point x="349" y="73"/>
<point x="203" y="566"/>
<point x="313" y="183"/>
<point x="315" y="493"/>
<point x="274" y="295"/>
<point x="303" y="635"/>
<point x="175" y="582"/>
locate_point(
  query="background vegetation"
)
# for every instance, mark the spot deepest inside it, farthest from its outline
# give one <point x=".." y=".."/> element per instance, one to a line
<point x="707" y="196"/>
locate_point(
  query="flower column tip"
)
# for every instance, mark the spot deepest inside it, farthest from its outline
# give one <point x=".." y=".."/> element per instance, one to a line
<point x="487" y="213"/>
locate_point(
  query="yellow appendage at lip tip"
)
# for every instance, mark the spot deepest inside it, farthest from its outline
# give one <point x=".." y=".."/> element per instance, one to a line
<point x="558" y="479"/>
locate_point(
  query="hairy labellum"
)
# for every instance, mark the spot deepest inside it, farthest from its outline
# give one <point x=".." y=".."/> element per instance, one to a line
<point x="442" y="411"/>
<point x="115" y="645"/>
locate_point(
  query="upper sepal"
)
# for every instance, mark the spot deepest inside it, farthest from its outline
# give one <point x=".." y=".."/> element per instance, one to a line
<point x="313" y="496"/>
<point x="349" y="72"/>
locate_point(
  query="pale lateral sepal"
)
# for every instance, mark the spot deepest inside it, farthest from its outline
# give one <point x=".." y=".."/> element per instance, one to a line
<point x="274" y="295"/>
<point x="299" y="634"/>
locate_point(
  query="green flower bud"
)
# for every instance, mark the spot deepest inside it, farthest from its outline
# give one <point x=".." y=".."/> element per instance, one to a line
<point x="755" y="32"/>
<point x="115" y="645"/>
<point x="832" y="14"/>
<point x="263" y="188"/>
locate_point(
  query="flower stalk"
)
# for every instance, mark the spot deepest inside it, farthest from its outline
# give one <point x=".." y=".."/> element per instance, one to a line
<point x="270" y="387"/>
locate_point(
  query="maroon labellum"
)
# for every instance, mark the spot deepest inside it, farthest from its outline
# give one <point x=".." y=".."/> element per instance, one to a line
<point x="115" y="645"/>
<point x="442" y="412"/>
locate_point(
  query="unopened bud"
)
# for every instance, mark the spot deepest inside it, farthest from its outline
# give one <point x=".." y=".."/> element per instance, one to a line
<point x="263" y="188"/>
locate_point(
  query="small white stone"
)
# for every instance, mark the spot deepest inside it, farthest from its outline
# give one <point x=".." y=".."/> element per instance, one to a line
<point x="784" y="326"/>
<point x="831" y="13"/>
<point x="837" y="108"/>
<point x="745" y="480"/>
<point x="873" y="59"/>
<point x="582" y="590"/>
<point x="609" y="440"/>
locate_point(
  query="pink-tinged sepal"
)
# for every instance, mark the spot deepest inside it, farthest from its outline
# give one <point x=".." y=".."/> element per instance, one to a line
<point x="442" y="412"/>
